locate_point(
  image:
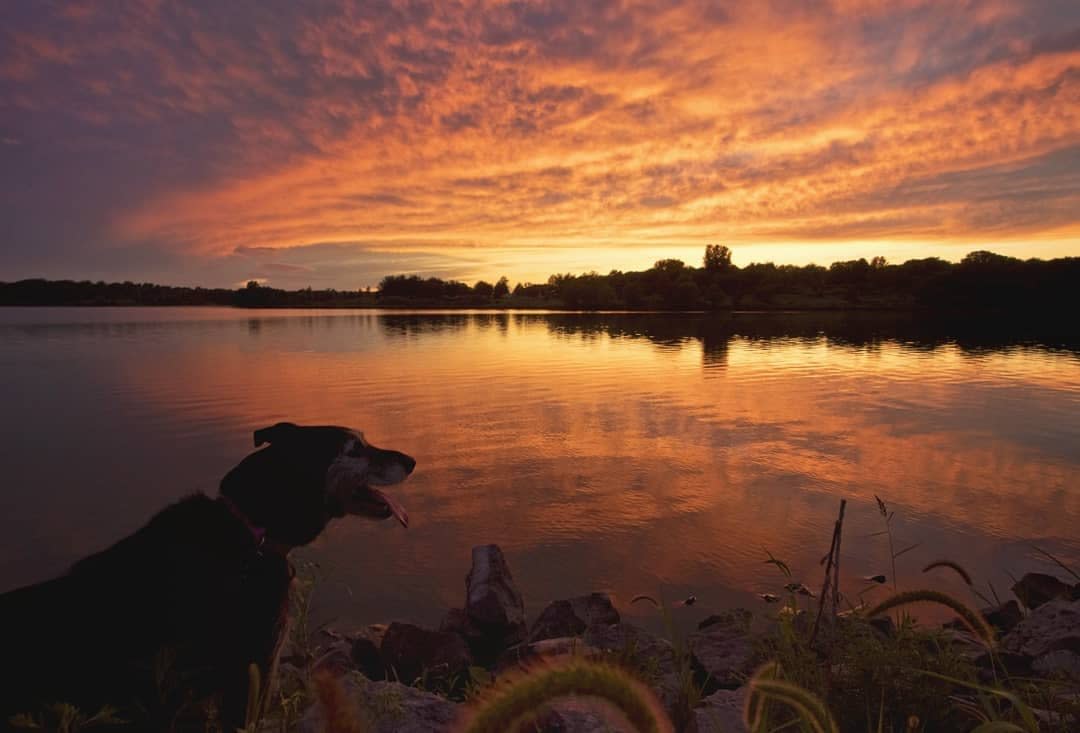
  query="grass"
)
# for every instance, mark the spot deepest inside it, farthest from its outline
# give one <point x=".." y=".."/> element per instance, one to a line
<point x="909" y="678"/>
<point x="851" y="677"/>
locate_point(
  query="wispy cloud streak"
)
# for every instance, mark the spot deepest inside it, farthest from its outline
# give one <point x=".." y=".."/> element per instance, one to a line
<point x="205" y="129"/>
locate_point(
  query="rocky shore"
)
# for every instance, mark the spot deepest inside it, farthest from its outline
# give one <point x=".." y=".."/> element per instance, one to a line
<point x="402" y="677"/>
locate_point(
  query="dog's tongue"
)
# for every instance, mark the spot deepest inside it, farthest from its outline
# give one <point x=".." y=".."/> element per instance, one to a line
<point x="398" y="510"/>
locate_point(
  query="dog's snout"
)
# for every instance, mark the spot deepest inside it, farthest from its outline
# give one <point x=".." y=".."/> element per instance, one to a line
<point x="409" y="462"/>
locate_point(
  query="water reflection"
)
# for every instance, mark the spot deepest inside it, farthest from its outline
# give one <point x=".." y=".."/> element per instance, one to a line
<point x="618" y="451"/>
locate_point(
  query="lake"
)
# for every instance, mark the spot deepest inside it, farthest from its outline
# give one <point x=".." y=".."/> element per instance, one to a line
<point x="633" y="453"/>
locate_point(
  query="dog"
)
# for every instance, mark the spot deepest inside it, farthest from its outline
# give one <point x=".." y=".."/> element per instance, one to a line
<point x="169" y="619"/>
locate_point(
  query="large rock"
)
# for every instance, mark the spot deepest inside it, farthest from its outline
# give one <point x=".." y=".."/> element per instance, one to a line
<point x="494" y="608"/>
<point x="654" y="659"/>
<point x="1058" y="664"/>
<point x="367" y="658"/>
<point x="455" y="621"/>
<point x="523" y="656"/>
<point x="720" y="712"/>
<point x="335" y="659"/>
<point x="738" y="618"/>
<point x="580" y="715"/>
<point x="1003" y="618"/>
<point x="571" y="617"/>
<point x="724" y="648"/>
<point x="1035" y="589"/>
<point x="382" y="707"/>
<point x="439" y="657"/>
<point x="492" y="600"/>
<point x="1049" y="630"/>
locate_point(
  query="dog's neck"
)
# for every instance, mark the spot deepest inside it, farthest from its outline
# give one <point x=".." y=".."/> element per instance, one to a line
<point x="263" y="542"/>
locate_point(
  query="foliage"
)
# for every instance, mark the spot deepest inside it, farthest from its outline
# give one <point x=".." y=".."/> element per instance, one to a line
<point x="65" y="718"/>
<point x="897" y="677"/>
<point x="766" y="686"/>
<point x="982" y="281"/>
<point x="717" y="257"/>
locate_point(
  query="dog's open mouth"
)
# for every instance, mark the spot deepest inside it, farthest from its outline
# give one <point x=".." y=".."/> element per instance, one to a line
<point x="372" y="502"/>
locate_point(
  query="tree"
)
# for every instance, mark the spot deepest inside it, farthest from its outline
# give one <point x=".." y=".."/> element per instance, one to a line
<point x="878" y="263"/>
<point x="484" y="289"/>
<point x="670" y="266"/>
<point x="502" y="288"/>
<point x="717" y="257"/>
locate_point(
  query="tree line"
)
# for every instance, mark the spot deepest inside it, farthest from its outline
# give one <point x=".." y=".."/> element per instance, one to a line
<point x="980" y="281"/>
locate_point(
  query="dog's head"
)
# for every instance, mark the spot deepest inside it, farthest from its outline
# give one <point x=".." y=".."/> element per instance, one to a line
<point x="307" y="476"/>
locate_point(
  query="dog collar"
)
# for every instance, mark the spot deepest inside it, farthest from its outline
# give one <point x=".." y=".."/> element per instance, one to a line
<point x="258" y="534"/>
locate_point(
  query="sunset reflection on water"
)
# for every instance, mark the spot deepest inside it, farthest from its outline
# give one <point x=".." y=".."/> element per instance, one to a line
<point x="623" y="452"/>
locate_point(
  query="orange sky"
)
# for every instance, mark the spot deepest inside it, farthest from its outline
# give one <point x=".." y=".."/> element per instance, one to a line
<point x="331" y="144"/>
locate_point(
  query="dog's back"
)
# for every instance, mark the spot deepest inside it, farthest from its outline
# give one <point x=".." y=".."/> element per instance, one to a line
<point x="159" y="616"/>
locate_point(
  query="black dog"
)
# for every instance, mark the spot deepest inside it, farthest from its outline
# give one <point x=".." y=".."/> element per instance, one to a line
<point x="170" y="618"/>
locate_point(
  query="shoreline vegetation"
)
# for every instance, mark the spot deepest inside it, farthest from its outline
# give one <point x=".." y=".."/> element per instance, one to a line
<point x="841" y="655"/>
<point x="846" y="654"/>
<point x="981" y="282"/>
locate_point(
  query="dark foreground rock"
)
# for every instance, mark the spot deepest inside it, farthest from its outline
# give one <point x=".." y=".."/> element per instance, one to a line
<point x="1035" y="589"/>
<point x="654" y="659"/>
<point x="721" y="712"/>
<point x="410" y="653"/>
<point x="725" y="650"/>
<point x="574" y="715"/>
<point x="1050" y="637"/>
<point x="573" y="616"/>
<point x="523" y="656"/>
<point x="494" y="609"/>
<point x="384" y="707"/>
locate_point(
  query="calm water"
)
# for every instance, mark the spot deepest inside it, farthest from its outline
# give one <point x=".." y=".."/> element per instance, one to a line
<point x="630" y="453"/>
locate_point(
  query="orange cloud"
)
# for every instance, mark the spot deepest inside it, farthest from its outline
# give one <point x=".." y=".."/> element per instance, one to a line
<point x="461" y="129"/>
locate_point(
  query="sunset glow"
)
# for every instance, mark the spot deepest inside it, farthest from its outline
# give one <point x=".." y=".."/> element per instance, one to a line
<point x="331" y="144"/>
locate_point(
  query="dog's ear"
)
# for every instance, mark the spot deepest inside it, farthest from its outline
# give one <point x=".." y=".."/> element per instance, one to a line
<point x="274" y="433"/>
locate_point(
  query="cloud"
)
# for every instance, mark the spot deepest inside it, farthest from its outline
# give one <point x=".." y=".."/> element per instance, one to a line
<point x="208" y="130"/>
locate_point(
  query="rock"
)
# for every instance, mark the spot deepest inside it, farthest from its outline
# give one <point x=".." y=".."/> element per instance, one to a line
<point x="720" y="712"/>
<point x="1053" y="720"/>
<point x="652" y="657"/>
<point x="963" y="643"/>
<point x="492" y="599"/>
<point x="736" y="617"/>
<point x="385" y="707"/>
<point x="494" y="608"/>
<point x="725" y="651"/>
<point x="571" y="617"/>
<point x="579" y="715"/>
<point x="1050" y="627"/>
<point x="1061" y="663"/>
<point x="336" y="659"/>
<point x="1003" y="618"/>
<point x="409" y="652"/>
<point x="367" y="659"/>
<point x="521" y="656"/>
<point x="1035" y="589"/>
<point x="456" y="621"/>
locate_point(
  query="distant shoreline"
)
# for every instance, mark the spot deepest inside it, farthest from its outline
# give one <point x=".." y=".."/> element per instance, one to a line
<point x="982" y="283"/>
